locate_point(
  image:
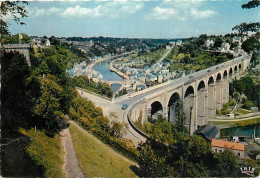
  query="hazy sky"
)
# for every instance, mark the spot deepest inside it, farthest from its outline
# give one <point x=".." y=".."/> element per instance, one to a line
<point x="148" y="19"/>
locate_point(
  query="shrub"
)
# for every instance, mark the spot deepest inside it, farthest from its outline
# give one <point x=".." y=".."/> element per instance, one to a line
<point x="218" y="112"/>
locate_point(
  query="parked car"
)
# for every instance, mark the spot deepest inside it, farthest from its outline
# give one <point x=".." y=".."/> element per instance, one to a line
<point x="124" y="106"/>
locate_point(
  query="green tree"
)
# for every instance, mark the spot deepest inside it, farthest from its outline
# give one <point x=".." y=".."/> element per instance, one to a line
<point x="244" y="28"/>
<point x="180" y="124"/>
<point x="218" y="42"/>
<point x="13" y="39"/>
<point x="14" y="99"/>
<point x="152" y="159"/>
<point x="251" y="4"/>
<point x="16" y="9"/>
<point x="54" y="40"/>
<point x="226" y="164"/>
<point x="116" y="129"/>
<point x="48" y="105"/>
<point x="191" y="156"/>
<point x="252" y="43"/>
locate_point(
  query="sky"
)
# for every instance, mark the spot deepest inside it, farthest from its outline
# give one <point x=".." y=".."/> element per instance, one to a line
<point x="133" y="19"/>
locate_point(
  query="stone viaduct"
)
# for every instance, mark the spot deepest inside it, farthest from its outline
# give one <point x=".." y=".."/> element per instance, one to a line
<point x="201" y="92"/>
<point x="21" y="48"/>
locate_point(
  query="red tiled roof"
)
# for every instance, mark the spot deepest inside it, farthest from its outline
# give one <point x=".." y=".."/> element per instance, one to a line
<point x="226" y="144"/>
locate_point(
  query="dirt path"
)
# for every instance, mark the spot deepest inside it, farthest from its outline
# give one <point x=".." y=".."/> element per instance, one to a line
<point x="71" y="165"/>
<point x="235" y="120"/>
<point x="97" y="140"/>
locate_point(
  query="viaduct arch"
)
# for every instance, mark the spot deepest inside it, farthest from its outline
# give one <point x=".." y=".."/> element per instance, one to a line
<point x="188" y="106"/>
<point x="202" y="93"/>
<point x="172" y="107"/>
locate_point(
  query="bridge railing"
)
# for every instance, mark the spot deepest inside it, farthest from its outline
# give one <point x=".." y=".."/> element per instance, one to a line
<point x="132" y="124"/>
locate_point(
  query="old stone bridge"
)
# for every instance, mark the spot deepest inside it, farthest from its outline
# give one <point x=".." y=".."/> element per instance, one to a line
<point x="201" y="92"/>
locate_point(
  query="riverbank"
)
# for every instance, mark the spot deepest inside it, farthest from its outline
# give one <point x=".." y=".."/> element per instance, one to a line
<point x="121" y="74"/>
<point x="90" y="66"/>
<point x="108" y="72"/>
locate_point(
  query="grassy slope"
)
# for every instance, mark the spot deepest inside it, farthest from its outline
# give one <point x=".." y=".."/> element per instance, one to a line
<point x="237" y="123"/>
<point x="47" y="152"/>
<point x="97" y="159"/>
<point x="155" y="55"/>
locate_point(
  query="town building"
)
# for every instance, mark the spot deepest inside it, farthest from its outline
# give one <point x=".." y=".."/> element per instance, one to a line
<point x="172" y="43"/>
<point x="224" y="47"/>
<point x="159" y="78"/>
<point x="138" y="85"/>
<point x="95" y="78"/>
<point x="152" y="78"/>
<point x="208" y="132"/>
<point x="236" y="39"/>
<point x="80" y="69"/>
<point x="47" y="43"/>
<point x="209" y="43"/>
<point x="218" y="146"/>
<point x="237" y="51"/>
<point x="178" y="43"/>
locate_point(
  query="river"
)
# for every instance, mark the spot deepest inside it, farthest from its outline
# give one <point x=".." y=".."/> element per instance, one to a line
<point x="103" y="69"/>
<point x="247" y="131"/>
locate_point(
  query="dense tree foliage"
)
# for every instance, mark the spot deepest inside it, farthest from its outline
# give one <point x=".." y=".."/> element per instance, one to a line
<point x="43" y="94"/>
<point x="246" y="86"/>
<point x="14" y="39"/>
<point x="163" y="131"/>
<point x="252" y="43"/>
<point x="99" y="88"/>
<point x="121" y="92"/>
<point x="15" y="105"/>
<point x="187" y="156"/>
<point x="172" y="152"/>
<point x="244" y="28"/>
<point x="191" y="57"/>
<point x="62" y="55"/>
<point x="251" y="4"/>
<point x="54" y="40"/>
<point x="152" y="56"/>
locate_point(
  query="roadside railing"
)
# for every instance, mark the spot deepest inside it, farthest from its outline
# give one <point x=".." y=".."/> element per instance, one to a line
<point x="132" y="124"/>
<point x="93" y="93"/>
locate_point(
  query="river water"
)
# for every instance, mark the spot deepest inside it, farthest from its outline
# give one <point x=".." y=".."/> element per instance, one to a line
<point x="103" y="69"/>
<point x="247" y="131"/>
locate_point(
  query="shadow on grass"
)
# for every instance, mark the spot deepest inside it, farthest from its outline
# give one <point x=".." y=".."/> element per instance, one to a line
<point x="138" y="171"/>
<point x="16" y="162"/>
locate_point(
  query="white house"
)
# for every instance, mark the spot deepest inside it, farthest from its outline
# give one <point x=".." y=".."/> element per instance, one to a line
<point x="209" y="43"/>
<point x="47" y="43"/>
<point x="224" y="47"/>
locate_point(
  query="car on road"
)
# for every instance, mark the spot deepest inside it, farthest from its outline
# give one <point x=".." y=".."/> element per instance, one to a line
<point x="124" y="106"/>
